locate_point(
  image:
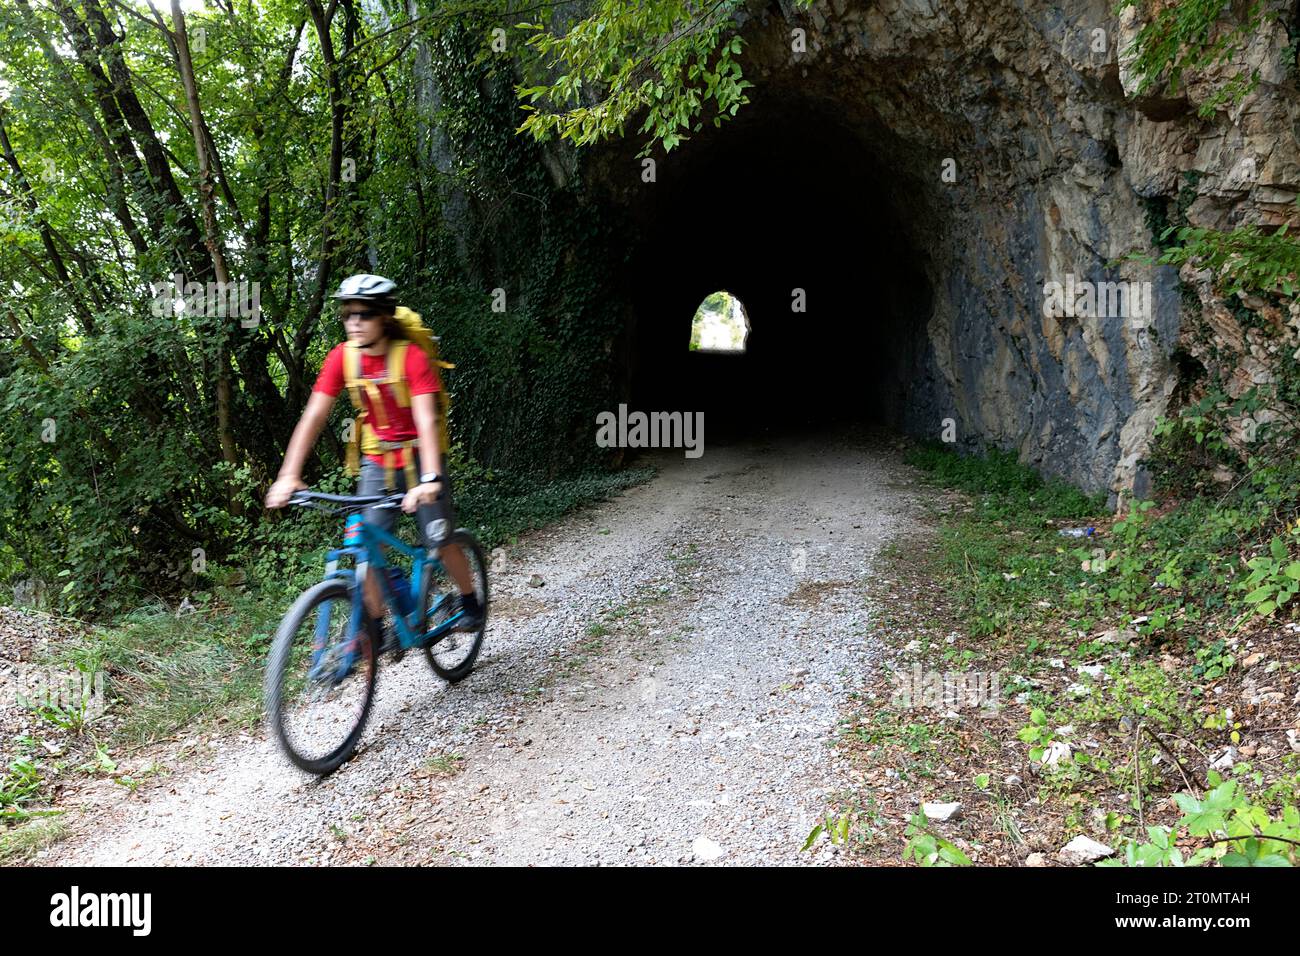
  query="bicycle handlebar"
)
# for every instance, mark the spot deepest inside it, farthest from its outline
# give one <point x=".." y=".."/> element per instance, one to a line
<point x="308" y="499"/>
<point x="346" y="499"/>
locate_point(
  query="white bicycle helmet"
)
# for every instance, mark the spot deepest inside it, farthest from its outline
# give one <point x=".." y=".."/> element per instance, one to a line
<point x="366" y="287"/>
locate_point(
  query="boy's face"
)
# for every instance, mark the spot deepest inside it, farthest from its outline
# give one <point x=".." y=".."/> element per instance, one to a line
<point x="363" y="321"/>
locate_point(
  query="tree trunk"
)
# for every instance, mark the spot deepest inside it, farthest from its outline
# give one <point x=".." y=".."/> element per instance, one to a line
<point x="212" y="239"/>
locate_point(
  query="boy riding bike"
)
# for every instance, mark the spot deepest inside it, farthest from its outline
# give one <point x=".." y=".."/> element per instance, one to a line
<point x="399" y="431"/>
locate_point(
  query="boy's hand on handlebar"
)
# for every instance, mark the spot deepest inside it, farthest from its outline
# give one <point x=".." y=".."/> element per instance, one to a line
<point x="278" y="495"/>
<point x="425" y="494"/>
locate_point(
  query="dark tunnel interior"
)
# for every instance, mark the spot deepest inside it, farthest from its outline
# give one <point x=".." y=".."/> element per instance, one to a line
<point x="761" y="210"/>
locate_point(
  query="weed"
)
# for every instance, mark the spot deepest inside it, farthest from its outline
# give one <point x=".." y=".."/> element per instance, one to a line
<point x="22" y="842"/>
<point x="445" y="765"/>
<point x="20" y="786"/>
<point x="927" y="848"/>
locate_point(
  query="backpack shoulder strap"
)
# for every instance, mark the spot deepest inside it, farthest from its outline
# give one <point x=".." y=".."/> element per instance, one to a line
<point x="352" y="374"/>
<point x="352" y="382"/>
<point x="357" y="383"/>
<point x="397" y="372"/>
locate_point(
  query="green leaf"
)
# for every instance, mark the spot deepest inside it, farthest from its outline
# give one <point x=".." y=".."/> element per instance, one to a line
<point x="926" y="849"/>
<point x="1207" y="817"/>
<point x="812" y="837"/>
<point x="952" y="855"/>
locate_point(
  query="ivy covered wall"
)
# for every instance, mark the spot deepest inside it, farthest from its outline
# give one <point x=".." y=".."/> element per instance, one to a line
<point x="521" y="287"/>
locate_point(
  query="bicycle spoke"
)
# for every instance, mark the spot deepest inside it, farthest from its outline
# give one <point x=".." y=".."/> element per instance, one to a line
<point x="325" y="685"/>
<point x="453" y="653"/>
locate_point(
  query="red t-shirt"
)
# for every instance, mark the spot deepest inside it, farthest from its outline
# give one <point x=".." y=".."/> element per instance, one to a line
<point x="421" y="379"/>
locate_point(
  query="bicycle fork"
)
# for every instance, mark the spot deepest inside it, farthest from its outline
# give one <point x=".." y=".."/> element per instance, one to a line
<point x="320" y="639"/>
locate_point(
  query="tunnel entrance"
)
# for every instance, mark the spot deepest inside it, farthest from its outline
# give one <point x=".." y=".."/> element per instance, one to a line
<point x="834" y="293"/>
<point x="898" y="198"/>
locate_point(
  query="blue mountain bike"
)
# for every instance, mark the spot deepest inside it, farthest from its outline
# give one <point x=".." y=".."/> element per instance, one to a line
<point x="324" y="661"/>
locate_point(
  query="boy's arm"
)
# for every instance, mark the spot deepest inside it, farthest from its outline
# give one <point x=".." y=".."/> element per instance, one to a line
<point x="304" y="438"/>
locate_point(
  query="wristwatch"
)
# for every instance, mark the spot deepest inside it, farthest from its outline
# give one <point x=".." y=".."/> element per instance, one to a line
<point x="429" y="478"/>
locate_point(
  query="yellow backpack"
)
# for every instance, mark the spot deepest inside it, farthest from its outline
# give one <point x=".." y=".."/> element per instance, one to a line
<point x="364" y="439"/>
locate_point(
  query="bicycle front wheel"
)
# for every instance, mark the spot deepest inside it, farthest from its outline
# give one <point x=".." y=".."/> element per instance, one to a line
<point x="320" y="679"/>
<point x="452" y="656"/>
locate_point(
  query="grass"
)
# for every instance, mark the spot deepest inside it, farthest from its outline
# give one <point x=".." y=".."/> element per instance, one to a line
<point x="168" y="672"/>
<point x="19" y="844"/>
<point x="855" y="825"/>
<point x="445" y="765"/>
<point x="1005" y="553"/>
<point x="917" y="747"/>
<point x="1010" y="488"/>
<point x="26" y="822"/>
<point x="1127" y="648"/>
<point x="21" y="786"/>
<point x="1208" y="557"/>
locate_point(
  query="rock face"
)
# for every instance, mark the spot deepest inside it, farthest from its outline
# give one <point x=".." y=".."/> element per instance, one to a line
<point x="1022" y="167"/>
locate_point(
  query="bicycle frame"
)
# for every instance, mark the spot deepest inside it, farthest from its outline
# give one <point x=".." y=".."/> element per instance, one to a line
<point x="370" y="558"/>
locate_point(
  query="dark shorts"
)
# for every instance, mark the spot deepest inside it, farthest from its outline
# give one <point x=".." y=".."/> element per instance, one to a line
<point x="436" y="521"/>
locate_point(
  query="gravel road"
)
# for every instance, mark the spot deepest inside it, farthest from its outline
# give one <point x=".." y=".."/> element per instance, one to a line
<point x="665" y="695"/>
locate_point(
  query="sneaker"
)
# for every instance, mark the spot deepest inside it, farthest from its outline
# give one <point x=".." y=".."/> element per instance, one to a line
<point x="388" y="637"/>
<point x="471" y="614"/>
<point x="392" y="642"/>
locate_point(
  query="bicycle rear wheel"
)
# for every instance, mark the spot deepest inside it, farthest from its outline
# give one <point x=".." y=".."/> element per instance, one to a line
<point x="453" y="656"/>
<point x="320" y="679"/>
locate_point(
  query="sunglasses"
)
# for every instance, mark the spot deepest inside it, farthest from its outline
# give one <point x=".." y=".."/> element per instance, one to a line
<point x="364" y="315"/>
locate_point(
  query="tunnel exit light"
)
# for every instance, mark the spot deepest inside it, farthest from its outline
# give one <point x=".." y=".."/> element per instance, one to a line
<point x="719" y="324"/>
